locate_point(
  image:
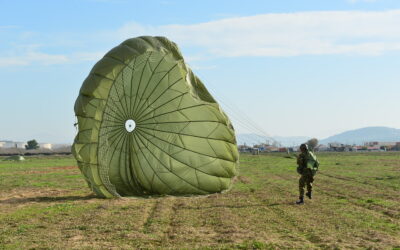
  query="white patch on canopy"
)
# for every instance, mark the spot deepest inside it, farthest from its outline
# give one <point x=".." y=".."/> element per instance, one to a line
<point x="130" y="125"/>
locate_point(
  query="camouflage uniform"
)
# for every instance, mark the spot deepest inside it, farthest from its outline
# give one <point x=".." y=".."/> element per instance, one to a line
<point x="307" y="167"/>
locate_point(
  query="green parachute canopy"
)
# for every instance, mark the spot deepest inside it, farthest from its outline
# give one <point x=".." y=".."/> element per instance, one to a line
<point x="147" y="125"/>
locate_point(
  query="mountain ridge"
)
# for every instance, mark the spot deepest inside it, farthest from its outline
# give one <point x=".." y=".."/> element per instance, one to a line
<point x="366" y="134"/>
<point x="355" y="136"/>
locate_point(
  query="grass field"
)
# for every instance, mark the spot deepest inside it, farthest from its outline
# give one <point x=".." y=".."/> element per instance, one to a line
<point x="44" y="203"/>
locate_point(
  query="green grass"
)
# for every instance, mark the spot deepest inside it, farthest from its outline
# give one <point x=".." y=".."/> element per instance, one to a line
<point x="50" y="171"/>
<point x="45" y="203"/>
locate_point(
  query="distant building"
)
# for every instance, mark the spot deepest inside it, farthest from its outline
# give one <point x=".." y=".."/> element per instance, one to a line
<point x="272" y="149"/>
<point x="262" y="147"/>
<point x="45" y="145"/>
<point x="359" y="148"/>
<point x="375" y="148"/>
<point x="340" y="147"/>
<point x="380" y="144"/>
<point x="255" y="151"/>
<point x="58" y="146"/>
<point x="244" y="148"/>
<point x="321" y="148"/>
<point x="383" y="146"/>
<point x="20" y="144"/>
<point x="7" y="144"/>
<point x="12" y="144"/>
<point x="283" y="149"/>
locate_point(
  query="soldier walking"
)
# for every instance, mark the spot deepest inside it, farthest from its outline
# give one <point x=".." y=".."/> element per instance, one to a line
<point x="307" y="167"/>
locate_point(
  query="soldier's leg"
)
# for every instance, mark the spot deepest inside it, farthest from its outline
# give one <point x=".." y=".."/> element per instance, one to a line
<point x="302" y="183"/>
<point x="309" y="181"/>
<point x="309" y="184"/>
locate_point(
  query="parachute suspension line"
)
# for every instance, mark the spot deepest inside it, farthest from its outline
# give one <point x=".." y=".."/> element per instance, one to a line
<point x="251" y="122"/>
<point x="241" y="119"/>
<point x="256" y="134"/>
<point x="237" y="121"/>
<point x="244" y="117"/>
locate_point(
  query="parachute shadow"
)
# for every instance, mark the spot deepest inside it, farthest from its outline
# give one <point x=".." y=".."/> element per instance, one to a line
<point x="45" y="199"/>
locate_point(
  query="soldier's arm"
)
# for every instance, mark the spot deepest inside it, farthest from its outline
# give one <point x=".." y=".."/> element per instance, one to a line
<point x="301" y="160"/>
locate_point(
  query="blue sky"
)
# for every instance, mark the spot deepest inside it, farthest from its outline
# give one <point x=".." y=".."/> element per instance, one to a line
<point x="289" y="67"/>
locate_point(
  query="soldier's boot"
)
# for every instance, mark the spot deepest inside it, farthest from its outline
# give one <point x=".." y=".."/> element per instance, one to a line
<point x="300" y="201"/>
<point x="308" y="194"/>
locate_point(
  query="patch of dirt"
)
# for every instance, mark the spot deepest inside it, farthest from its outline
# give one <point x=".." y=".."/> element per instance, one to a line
<point x="49" y="170"/>
<point x="65" y="167"/>
<point x="29" y="172"/>
<point x="244" y="179"/>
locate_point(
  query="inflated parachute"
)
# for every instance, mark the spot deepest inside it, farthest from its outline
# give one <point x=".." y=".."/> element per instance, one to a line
<point x="147" y="125"/>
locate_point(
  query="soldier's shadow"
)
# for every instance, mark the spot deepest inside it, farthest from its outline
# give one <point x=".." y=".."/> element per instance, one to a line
<point x="236" y="206"/>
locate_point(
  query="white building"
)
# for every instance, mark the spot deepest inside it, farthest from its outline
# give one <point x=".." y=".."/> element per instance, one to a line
<point x="380" y="144"/>
<point x="20" y="144"/>
<point x="11" y="144"/>
<point x="322" y="147"/>
<point x="387" y="144"/>
<point x="45" y="145"/>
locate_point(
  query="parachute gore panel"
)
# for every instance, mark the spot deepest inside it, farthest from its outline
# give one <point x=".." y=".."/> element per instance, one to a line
<point x="147" y="125"/>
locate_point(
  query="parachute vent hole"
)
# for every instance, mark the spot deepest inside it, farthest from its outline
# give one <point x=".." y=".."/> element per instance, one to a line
<point x="130" y="125"/>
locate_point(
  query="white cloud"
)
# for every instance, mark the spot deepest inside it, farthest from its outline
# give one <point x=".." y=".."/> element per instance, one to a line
<point x="32" y="57"/>
<point x="24" y="55"/>
<point x="199" y="67"/>
<point x="287" y="34"/>
<point x="87" y="56"/>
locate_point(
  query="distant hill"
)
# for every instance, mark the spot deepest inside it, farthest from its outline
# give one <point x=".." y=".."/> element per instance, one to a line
<point x="251" y="139"/>
<point x="359" y="136"/>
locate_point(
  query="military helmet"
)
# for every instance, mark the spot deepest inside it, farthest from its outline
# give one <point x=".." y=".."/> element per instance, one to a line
<point x="304" y="146"/>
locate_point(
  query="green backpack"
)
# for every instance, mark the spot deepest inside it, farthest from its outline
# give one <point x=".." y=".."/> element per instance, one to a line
<point x="312" y="162"/>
